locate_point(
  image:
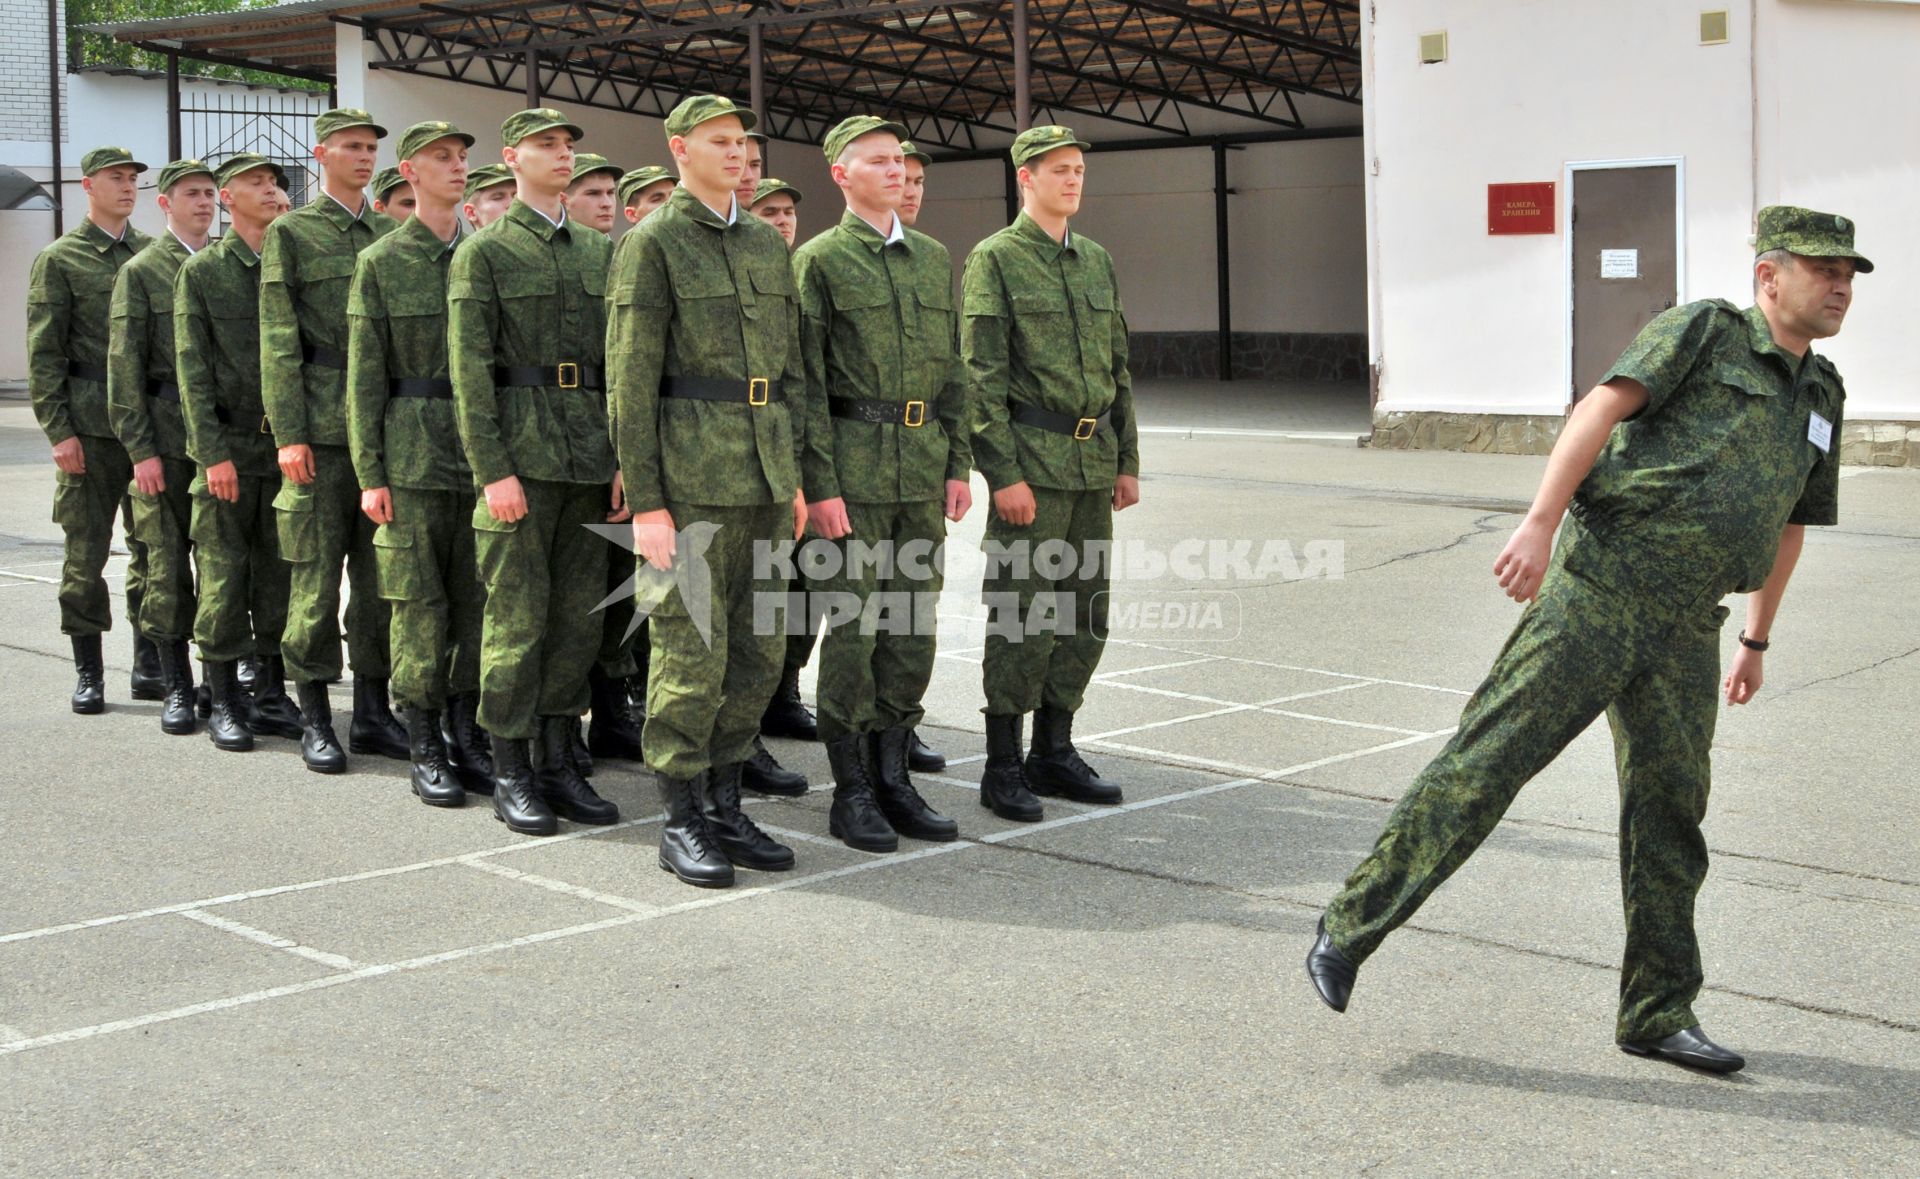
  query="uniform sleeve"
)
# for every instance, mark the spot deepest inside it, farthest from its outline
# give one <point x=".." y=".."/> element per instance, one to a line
<point x="985" y="329"/>
<point x="1665" y="351"/>
<point x="1124" y="424"/>
<point x="793" y="378"/>
<point x="282" y="387"/>
<point x="129" y="332"/>
<point x="193" y="372"/>
<point x="1819" y="502"/>
<point x="367" y="377"/>
<point x="818" y="474"/>
<point x="639" y="315"/>
<point x="49" y="318"/>
<point x="956" y="416"/>
<point x="473" y="323"/>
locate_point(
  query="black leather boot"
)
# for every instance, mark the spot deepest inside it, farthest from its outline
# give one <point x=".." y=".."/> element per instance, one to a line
<point x="89" y="684"/>
<point x="1003" y="784"/>
<point x="432" y="778"/>
<point x="560" y="782"/>
<point x="148" y="683"/>
<point x="1692" y="1048"/>
<point x="374" y="729"/>
<point x="786" y="716"/>
<point x="203" y="700"/>
<point x="855" y="818"/>
<point x="1054" y="766"/>
<point x="466" y="743"/>
<point x="176" y="671"/>
<point x="908" y="813"/>
<point x="582" y="756"/>
<point x="245" y="670"/>
<point x="227" y="712"/>
<point x="1330" y="971"/>
<point x="515" y="800"/>
<point x="921" y="757"/>
<point x="613" y="731"/>
<point x="763" y="775"/>
<point x="687" y="848"/>
<point x="739" y="839"/>
<point x="273" y="713"/>
<point x="319" y="747"/>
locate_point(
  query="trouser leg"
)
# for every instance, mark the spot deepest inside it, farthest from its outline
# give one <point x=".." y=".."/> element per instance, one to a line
<point x="413" y="552"/>
<point x="1046" y="603"/>
<point x="1076" y="652"/>
<point x="577" y="560"/>
<point x="234" y="549"/>
<point x="512" y="559"/>
<point x="85" y="506"/>
<point x="1663" y="739"/>
<point x="162" y="523"/>
<point x="875" y="669"/>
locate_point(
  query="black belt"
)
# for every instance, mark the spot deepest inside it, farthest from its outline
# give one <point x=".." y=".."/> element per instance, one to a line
<point x="222" y="415"/>
<point x="164" y="390"/>
<point x="755" y="391"/>
<point x="885" y="413"/>
<point x="324" y="357"/>
<point x="87" y="372"/>
<point x="562" y="376"/>
<point x="439" y="387"/>
<point x="1060" y="423"/>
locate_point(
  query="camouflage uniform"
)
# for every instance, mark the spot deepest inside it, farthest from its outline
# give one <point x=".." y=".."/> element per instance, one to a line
<point x="525" y="293"/>
<point x="1685" y="505"/>
<point x="1042" y="330"/>
<point x="306" y="268"/>
<point x="143" y="399"/>
<point x="402" y="431"/>
<point x="695" y="296"/>
<point x="879" y="339"/>
<point x="68" y="293"/>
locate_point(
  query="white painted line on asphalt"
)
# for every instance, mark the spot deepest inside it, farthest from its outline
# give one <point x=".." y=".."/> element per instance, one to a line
<point x="1342" y="675"/>
<point x="1107" y="677"/>
<point x="560" y="886"/>
<point x="799" y="836"/>
<point x="9" y="1033"/>
<point x="1269" y="774"/>
<point x="25" y="577"/>
<point x="262" y="937"/>
<point x="1351" y="724"/>
<point x="1119" y="809"/>
<point x="1194" y="760"/>
<point x="1353" y="436"/>
<point x="1197" y="699"/>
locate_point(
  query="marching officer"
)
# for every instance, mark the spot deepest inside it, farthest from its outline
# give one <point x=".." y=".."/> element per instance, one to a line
<point x="68" y="292"/>
<point x="242" y="606"/>
<point x="886" y="463"/>
<point x="527" y="331"/>
<point x="143" y="399"/>
<point x="1046" y="348"/>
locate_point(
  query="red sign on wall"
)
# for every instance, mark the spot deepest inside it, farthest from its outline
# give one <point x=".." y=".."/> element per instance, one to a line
<point x="1520" y="208"/>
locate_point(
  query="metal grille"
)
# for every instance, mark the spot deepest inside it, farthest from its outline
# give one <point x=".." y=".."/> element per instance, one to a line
<point x="215" y="124"/>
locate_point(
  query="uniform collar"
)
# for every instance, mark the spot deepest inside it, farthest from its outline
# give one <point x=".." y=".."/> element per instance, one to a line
<point x="534" y="221"/>
<point x="176" y="244"/>
<point x="233" y="243"/>
<point x="857" y="225"/>
<point x="697" y="209"/>
<point x="1760" y="338"/>
<point x="343" y="217"/>
<point x="426" y="242"/>
<point x="100" y="239"/>
<point x="1030" y="229"/>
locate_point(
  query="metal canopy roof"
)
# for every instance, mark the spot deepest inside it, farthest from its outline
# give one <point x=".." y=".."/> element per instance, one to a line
<point x="945" y="69"/>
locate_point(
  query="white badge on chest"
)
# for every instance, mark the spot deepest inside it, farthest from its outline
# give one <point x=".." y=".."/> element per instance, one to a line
<point x="1820" y="432"/>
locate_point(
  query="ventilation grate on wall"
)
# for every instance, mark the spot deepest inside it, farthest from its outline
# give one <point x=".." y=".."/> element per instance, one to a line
<point x="1433" y="48"/>
<point x="1713" y="27"/>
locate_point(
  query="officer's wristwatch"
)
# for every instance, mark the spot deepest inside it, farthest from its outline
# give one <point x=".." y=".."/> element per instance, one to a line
<point x="1753" y="644"/>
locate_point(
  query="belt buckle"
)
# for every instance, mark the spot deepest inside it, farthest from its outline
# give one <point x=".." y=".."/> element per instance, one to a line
<point x="1084" y="428"/>
<point x="569" y="374"/>
<point x="916" y="413"/>
<point x="759" y="389"/>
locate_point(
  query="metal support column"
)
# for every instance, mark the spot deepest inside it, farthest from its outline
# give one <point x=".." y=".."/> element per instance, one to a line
<point x="53" y="107"/>
<point x="757" y="92"/>
<point x="533" y="78"/>
<point x="173" y="106"/>
<point x="1223" y="267"/>
<point x="1022" y="68"/>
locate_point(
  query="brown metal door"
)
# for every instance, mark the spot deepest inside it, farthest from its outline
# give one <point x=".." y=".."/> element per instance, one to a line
<point x="1624" y="268"/>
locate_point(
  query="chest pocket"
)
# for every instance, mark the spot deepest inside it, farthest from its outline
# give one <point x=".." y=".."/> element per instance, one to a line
<point x="1026" y="303"/>
<point x="409" y="304"/>
<point x="772" y="292"/>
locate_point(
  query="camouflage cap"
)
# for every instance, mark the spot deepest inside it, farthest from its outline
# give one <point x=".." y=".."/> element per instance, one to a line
<point x="342" y="117"/>
<point x="768" y="187"/>
<point x="247" y="161"/>
<point x="640" y="178"/>
<point x="107" y="157"/>
<point x="913" y="153"/>
<point x="702" y="108"/>
<point x="385" y="181"/>
<point x="849" y="129"/>
<point x="758" y="136"/>
<point x="1809" y="234"/>
<point x="484" y="177"/>
<point x="1038" y="141"/>
<point x="415" y="138"/>
<point x="175" y="171"/>
<point x="586" y="163"/>
<point x="521" y="124"/>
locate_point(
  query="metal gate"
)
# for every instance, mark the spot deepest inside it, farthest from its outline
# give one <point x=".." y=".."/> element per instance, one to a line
<point x="217" y="122"/>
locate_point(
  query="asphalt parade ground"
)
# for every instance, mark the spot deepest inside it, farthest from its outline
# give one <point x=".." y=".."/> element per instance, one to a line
<point x="217" y="964"/>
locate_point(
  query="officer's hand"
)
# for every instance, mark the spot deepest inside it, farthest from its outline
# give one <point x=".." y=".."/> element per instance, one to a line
<point x="829" y="518"/>
<point x="1743" y="681"/>
<point x="296" y="462"/>
<point x="799" y="514"/>
<point x="653" y="537"/>
<point x="223" y="481"/>
<point x="1126" y="492"/>
<point x="69" y="457"/>
<point x="150" y="476"/>
<point x="1524" y="561"/>
<point x="377" y="503"/>
<point x="959" y="498"/>
<point x="618" y="502"/>
<point x="1014" y="504"/>
<point x="506" y="501"/>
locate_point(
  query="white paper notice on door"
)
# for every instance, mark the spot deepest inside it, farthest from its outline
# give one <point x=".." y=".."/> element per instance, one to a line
<point x="1619" y="263"/>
